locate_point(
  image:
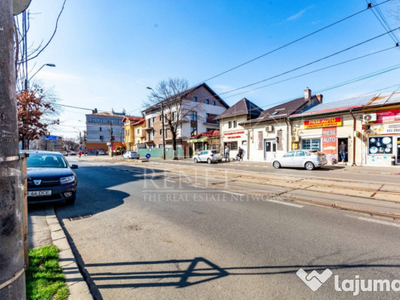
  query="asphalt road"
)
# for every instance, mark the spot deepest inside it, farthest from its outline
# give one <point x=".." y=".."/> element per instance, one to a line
<point x="138" y="236"/>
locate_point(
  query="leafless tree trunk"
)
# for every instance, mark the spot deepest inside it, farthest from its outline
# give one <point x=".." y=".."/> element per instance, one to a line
<point x="12" y="277"/>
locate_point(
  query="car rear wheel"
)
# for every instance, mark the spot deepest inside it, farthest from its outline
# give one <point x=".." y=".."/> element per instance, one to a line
<point x="209" y="161"/>
<point x="195" y="161"/>
<point x="276" y="164"/>
<point x="309" y="166"/>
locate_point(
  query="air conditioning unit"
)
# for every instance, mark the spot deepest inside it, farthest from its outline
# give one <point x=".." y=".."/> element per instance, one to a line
<point x="269" y="128"/>
<point x="369" y="117"/>
<point x="295" y="138"/>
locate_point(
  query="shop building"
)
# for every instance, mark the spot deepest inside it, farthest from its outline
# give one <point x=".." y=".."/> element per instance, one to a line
<point x="209" y="140"/>
<point x="234" y="135"/>
<point x="269" y="135"/>
<point x="381" y="130"/>
<point x="325" y="127"/>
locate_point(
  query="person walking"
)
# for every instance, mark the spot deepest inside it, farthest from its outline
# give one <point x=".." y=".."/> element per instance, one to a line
<point x="342" y="151"/>
<point x="240" y="153"/>
<point x="226" y="153"/>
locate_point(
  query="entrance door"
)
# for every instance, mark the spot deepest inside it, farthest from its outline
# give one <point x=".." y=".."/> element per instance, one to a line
<point x="270" y="149"/>
<point x="346" y="143"/>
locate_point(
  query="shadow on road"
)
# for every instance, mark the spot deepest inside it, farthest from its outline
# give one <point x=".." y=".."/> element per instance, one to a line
<point x="188" y="272"/>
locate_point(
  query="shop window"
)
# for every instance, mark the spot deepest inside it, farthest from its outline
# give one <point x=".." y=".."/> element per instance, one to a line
<point x="380" y="145"/>
<point x="311" y="144"/>
<point x="232" y="145"/>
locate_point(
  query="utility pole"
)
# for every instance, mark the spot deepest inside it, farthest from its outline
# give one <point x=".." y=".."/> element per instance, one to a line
<point x="12" y="271"/>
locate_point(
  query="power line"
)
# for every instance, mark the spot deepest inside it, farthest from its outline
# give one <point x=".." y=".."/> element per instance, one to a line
<point x="312" y="72"/>
<point x="308" y="64"/>
<point x="293" y="42"/>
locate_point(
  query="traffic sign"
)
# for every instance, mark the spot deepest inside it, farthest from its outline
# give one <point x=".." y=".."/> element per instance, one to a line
<point x="148" y="155"/>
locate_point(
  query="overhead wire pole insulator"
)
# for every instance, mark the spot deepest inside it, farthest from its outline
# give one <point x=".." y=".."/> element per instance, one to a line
<point x="12" y="268"/>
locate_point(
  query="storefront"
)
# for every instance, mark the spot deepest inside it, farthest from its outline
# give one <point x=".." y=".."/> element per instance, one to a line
<point x="327" y="134"/>
<point x="209" y="140"/>
<point x="234" y="140"/>
<point x="382" y="137"/>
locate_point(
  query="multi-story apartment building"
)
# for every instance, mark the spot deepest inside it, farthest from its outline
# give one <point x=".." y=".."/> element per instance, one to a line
<point x="103" y="128"/>
<point x="198" y="108"/>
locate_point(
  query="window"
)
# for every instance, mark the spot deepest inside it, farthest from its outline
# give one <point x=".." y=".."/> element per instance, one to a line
<point x="229" y="124"/>
<point x="174" y="115"/>
<point x="311" y="144"/>
<point x="100" y="129"/>
<point x="234" y="124"/>
<point x="194" y="99"/>
<point x="232" y="145"/>
<point x="289" y="154"/>
<point x="154" y="119"/>
<point x="207" y="101"/>
<point x="380" y="145"/>
<point x="193" y="116"/>
<point x="101" y="138"/>
<point x="150" y="122"/>
<point x="213" y="103"/>
<point x="160" y="131"/>
<point x="193" y="131"/>
<point x="154" y="132"/>
<point x="160" y="118"/>
<point x="138" y="131"/>
<point x="300" y="153"/>
<point x="207" y="115"/>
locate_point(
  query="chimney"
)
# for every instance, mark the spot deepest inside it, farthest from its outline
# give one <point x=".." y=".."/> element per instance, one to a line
<point x="319" y="97"/>
<point x="307" y="94"/>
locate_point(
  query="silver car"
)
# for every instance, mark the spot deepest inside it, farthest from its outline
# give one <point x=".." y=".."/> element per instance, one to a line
<point x="208" y="156"/>
<point x="300" y="159"/>
<point x="131" y="155"/>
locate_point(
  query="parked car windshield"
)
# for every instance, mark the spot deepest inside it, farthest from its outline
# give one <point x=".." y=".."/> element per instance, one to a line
<point x="46" y="161"/>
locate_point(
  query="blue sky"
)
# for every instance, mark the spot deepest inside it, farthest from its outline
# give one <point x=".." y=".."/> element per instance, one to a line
<point x="108" y="52"/>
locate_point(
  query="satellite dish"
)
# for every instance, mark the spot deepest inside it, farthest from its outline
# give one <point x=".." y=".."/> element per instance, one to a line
<point x="19" y="6"/>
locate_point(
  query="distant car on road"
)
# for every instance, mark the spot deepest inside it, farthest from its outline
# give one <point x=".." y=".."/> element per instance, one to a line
<point x="72" y="153"/>
<point x="131" y="155"/>
<point x="307" y="159"/>
<point x="50" y="178"/>
<point x="209" y="156"/>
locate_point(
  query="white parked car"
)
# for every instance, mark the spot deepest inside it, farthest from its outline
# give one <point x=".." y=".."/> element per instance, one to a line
<point x="300" y="159"/>
<point x="208" y="156"/>
<point x="131" y="155"/>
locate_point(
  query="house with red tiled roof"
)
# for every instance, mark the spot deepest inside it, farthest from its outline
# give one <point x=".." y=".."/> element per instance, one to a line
<point x="209" y="140"/>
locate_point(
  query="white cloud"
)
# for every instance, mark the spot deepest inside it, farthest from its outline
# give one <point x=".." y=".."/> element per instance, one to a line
<point x="298" y="15"/>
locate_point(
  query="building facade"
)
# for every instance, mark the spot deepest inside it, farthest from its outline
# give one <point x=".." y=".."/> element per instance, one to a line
<point x="104" y="128"/>
<point x="132" y="132"/>
<point x="269" y="135"/>
<point x="233" y="134"/>
<point x="195" y="113"/>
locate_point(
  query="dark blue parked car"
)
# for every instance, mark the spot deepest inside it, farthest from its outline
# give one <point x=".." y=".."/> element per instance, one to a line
<point x="50" y="178"/>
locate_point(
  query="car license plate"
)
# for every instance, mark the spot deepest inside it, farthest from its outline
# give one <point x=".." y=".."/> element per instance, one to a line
<point x="39" y="193"/>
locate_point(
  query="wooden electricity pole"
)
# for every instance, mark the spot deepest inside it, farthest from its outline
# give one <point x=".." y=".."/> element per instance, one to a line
<point x="12" y="275"/>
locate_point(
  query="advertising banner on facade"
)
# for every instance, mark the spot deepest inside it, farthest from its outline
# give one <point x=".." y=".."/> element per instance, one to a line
<point x="329" y="142"/>
<point x="326" y="122"/>
<point x="388" y="116"/>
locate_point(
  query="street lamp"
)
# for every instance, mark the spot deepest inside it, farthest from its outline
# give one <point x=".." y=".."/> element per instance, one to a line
<point x="162" y="120"/>
<point x="27" y="80"/>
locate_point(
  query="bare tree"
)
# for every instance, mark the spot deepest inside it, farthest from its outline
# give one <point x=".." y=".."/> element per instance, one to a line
<point x="171" y="100"/>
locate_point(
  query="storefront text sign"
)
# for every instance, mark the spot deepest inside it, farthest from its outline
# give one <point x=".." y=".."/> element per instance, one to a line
<point x="388" y="116"/>
<point x="329" y="142"/>
<point x="326" y="122"/>
<point x="386" y="128"/>
<point x="233" y="135"/>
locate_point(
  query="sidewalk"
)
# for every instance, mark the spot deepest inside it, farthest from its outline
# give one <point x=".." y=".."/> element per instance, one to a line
<point x="44" y="229"/>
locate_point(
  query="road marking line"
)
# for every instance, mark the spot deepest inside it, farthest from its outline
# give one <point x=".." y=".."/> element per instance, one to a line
<point x="286" y="203"/>
<point x="378" y="222"/>
<point x="233" y="193"/>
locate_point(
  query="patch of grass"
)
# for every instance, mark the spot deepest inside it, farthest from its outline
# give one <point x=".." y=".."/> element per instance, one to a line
<point x="45" y="278"/>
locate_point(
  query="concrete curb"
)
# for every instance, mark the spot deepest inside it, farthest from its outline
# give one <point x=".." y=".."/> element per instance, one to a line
<point x="77" y="286"/>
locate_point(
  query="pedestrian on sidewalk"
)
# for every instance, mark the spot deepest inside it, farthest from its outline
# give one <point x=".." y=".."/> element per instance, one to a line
<point x="240" y="153"/>
<point x="226" y="153"/>
<point x="342" y="151"/>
